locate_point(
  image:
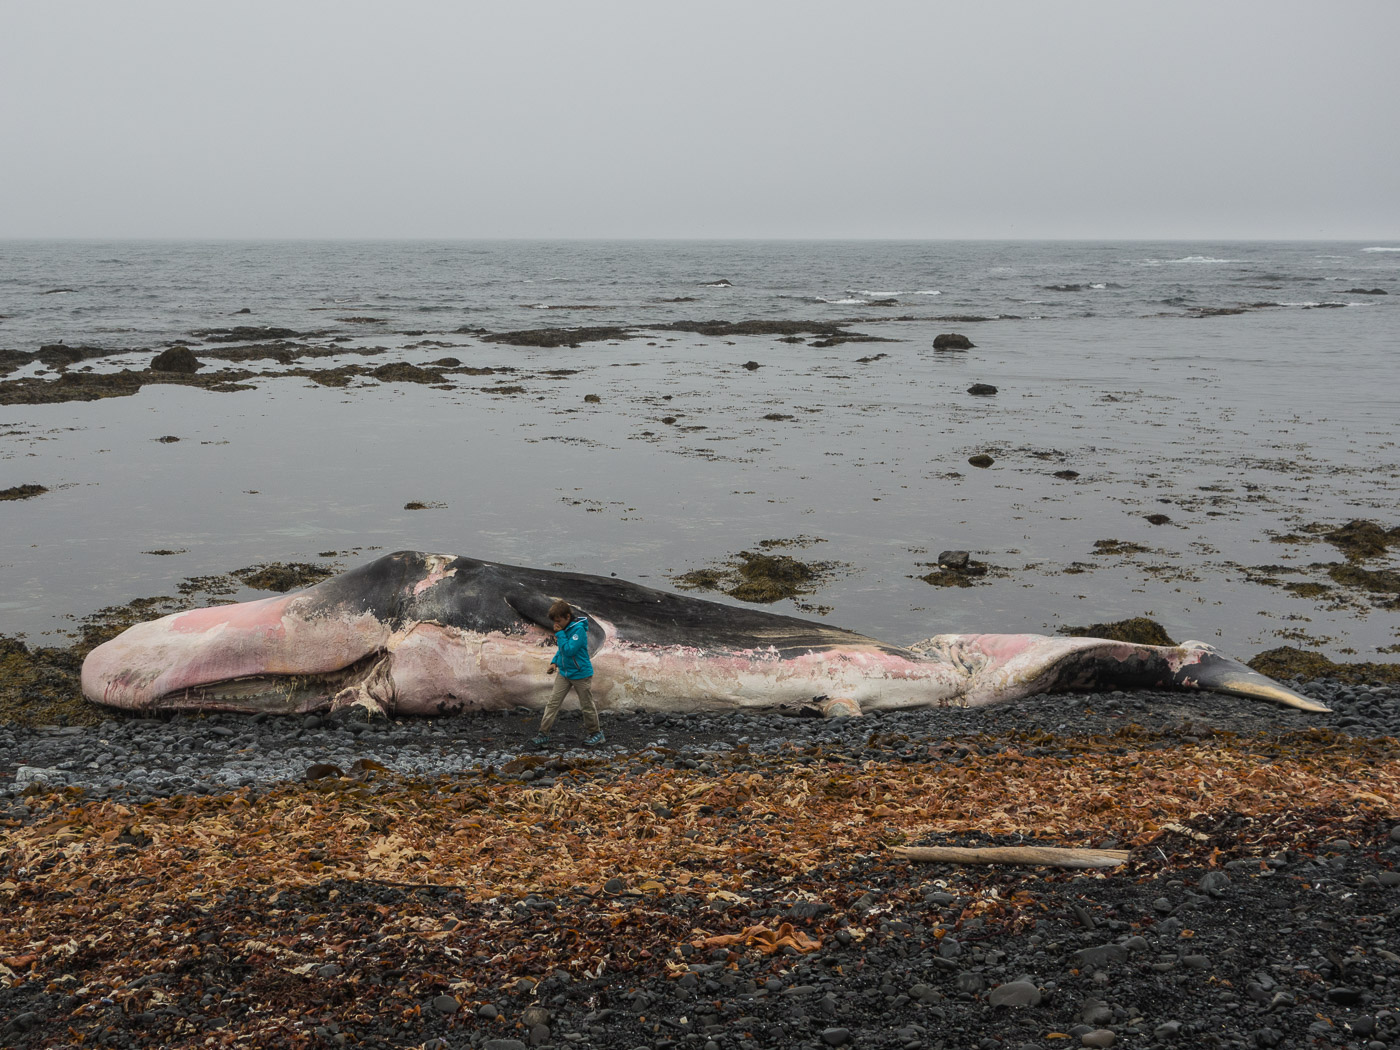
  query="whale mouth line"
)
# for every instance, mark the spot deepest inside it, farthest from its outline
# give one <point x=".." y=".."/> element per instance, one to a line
<point x="271" y="693"/>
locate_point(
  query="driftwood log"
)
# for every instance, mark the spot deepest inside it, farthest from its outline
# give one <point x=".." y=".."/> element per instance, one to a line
<point x="1045" y="855"/>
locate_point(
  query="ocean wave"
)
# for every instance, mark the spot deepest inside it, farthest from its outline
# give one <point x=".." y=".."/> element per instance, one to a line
<point x="1380" y="249"/>
<point x="929" y="291"/>
<point x="872" y="295"/>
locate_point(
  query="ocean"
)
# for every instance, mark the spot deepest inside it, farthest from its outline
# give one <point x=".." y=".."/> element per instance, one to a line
<point x="1244" y="392"/>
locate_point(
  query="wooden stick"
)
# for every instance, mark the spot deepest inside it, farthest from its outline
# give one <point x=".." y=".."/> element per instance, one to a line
<point x="1051" y="855"/>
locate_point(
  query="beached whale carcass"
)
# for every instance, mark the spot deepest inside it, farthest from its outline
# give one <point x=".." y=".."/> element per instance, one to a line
<point x="415" y="633"/>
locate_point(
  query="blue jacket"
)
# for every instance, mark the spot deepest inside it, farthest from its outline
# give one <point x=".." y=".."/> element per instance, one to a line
<point x="572" y="657"/>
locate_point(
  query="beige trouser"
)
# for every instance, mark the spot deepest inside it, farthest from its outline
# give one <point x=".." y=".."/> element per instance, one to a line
<point x="584" y="688"/>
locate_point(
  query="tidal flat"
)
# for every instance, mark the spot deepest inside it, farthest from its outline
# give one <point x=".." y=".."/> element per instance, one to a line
<point x="1191" y="481"/>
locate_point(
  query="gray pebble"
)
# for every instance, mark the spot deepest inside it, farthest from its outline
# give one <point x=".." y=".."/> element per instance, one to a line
<point x="1014" y="994"/>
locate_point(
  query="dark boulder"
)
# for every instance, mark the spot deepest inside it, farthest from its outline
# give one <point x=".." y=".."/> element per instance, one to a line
<point x="982" y="389"/>
<point x="952" y="341"/>
<point x="176" y="359"/>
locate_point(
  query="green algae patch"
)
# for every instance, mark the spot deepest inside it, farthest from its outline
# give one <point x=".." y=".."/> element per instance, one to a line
<point x="39" y="686"/>
<point x="1359" y="540"/>
<point x="1287" y="662"/>
<point x="1138" y="630"/>
<point x="22" y="492"/>
<point x="283" y="576"/>
<point x="760" y="576"/>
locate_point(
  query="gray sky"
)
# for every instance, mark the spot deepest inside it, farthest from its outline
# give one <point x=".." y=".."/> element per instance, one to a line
<point x="763" y="118"/>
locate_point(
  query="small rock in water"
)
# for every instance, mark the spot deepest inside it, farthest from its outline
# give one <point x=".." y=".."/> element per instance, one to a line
<point x="179" y="359"/>
<point x="982" y="389"/>
<point x="952" y="341"/>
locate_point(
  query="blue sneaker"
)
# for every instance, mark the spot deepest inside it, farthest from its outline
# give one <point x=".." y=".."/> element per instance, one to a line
<point x="540" y="742"/>
<point x="596" y="739"/>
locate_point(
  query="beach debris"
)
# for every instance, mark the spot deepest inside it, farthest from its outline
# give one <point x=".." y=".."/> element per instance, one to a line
<point x="1046" y="856"/>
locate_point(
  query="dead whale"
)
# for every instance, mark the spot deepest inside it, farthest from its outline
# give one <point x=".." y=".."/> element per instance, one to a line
<point x="415" y="633"/>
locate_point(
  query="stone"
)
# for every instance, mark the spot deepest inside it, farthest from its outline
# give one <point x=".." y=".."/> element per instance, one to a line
<point x="952" y="341"/>
<point x="176" y="359"/>
<point x="1095" y="1012"/>
<point x="1098" y="1037"/>
<point x="445" y="1004"/>
<point x="982" y="389"/>
<point x="954" y="559"/>
<point x="1014" y="994"/>
<point x="980" y="460"/>
<point x="836" y="1036"/>
<point x="503" y="1044"/>
<point x="1214" y="882"/>
<point x="26" y="776"/>
<point x="1099" y="956"/>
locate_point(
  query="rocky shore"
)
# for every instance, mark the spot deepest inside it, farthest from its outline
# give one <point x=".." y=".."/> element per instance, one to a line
<point x="709" y="881"/>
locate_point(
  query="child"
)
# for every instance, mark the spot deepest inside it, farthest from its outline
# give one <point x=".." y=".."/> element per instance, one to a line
<point x="575" y="671"/>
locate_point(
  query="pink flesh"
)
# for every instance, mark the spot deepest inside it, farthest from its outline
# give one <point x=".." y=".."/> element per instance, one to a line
<point x="191" y="649"/>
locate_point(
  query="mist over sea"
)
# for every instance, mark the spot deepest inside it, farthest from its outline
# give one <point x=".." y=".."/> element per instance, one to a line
<point x="145" y="292"/>
<point x="1246" y="392"/>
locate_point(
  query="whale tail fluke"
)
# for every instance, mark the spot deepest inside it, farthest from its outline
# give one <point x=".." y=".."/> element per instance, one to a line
<point x="1221" y="674"/>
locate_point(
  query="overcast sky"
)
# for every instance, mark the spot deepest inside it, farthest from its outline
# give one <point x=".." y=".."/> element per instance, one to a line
<point x="920" y="119"/>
